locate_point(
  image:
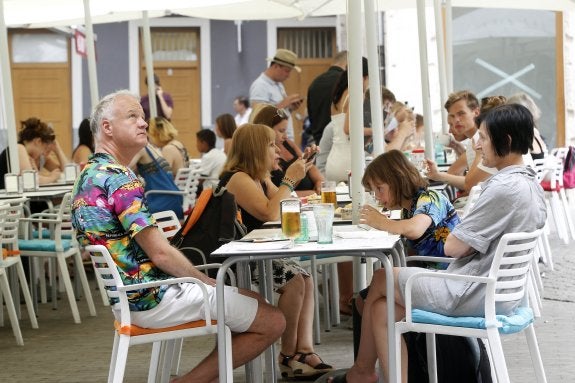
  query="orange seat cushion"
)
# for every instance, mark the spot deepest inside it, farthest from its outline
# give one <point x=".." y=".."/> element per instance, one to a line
<point x="134" y="330"/>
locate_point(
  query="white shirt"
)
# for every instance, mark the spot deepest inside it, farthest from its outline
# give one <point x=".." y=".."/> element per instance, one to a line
<point x="240" y="120"/>
<point x="264" y="89"/>
<point x="211" y="166"/>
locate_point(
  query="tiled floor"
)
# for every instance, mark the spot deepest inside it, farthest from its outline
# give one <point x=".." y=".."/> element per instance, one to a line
<point x="61" y="351"/>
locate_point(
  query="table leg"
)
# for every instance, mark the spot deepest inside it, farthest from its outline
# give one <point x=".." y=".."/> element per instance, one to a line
<point x="390" y="317"/>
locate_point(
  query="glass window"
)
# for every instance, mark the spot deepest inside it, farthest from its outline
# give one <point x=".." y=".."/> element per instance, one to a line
<point x="308" y="43"/>
<point x="503" y="52"/>
<point x="174" y="45"/>
<point x="39" y="48"/>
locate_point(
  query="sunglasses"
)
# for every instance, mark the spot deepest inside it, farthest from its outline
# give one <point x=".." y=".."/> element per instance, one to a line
<point x="279" y="117"/>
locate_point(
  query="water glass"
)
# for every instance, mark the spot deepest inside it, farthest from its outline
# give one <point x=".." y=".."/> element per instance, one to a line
<point x="290" y="215"/>
<point x="328" y="194"/>
<point x="323" y="214"/>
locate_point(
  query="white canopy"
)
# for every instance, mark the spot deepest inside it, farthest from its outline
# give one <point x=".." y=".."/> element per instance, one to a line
<point x="42" y="13"/>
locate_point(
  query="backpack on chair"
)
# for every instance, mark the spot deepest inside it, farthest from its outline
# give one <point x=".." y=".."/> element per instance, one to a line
<point x="214" y="221"/>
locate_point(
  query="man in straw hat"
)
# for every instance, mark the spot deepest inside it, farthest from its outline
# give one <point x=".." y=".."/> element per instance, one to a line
<point x="268" y="87"/>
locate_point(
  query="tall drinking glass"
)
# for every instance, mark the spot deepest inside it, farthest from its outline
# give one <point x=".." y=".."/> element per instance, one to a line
<point x="323" y="214"/>
<point x="290" y="216"/>
<point x="328" y="193"/>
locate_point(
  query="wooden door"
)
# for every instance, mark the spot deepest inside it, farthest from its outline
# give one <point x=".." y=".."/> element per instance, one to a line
<point x="180" y="77"/>
<point x="43" y="90"/>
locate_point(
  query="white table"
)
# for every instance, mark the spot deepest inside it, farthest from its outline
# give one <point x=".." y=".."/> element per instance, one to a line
<point x="43" y="192"/>
<point x="365" y="244"/>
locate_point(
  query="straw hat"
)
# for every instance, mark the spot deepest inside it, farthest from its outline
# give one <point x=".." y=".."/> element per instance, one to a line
<point x="285" y="57"/>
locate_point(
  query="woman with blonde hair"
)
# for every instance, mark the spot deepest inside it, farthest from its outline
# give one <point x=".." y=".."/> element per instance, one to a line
<point x="253" y="155"/>
<point x="162" y="133"/>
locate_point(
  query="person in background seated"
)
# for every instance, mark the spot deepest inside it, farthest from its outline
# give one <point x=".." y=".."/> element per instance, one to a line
<point x="242" y="109"/>
<point x="225" y="128"/>
<point x="38" y="150"/>
<point x="511" y="201"/>
<point x="276" y="119"/>
<point x="539" y="149"/>
<point x="417" y="140"/>
<point x="108" y="209"/>
<point x="163" y="134"/>
<point x="85" y="146"/>
<point x="400" y="126"/>
<point x="213" y="159"/>
<point x="246" y="175"/>
<point x="462" y="109"/>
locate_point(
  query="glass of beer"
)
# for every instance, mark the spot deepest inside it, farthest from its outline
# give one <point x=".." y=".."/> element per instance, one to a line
<point x="290" y="215"/>
<point x="328" y="193"/>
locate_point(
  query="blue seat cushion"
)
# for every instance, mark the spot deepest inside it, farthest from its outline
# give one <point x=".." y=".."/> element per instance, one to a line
<point x="42" y="244"/>
<point x="521" y="318"/>
<point x="46" y="234"/>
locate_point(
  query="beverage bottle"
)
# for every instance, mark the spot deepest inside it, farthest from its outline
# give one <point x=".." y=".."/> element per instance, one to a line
<point x="304" y="231"/>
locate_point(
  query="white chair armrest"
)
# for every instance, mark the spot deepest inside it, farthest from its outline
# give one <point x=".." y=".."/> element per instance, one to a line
<point x="426" y="258"/>
<point x="43" y="215"/>
<point x="170" y="192"/>
<point x="146" y="285"/>
<point x="41" y="220"/>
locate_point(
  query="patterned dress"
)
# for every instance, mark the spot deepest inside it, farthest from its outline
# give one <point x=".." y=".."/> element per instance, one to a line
<point x="284" y="269"/>
<point x="107" y="210"/>
<point x="443" y="216"/>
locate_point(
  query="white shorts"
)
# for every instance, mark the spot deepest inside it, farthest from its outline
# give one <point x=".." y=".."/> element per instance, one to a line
<point x="184" y="302"/>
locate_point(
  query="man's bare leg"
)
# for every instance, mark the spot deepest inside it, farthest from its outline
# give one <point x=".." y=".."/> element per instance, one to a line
<point x="266" y="328"/>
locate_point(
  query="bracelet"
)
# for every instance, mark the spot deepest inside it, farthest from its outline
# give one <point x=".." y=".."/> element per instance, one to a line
<point x="289" y="181"/>
<point x="289" y="186"/>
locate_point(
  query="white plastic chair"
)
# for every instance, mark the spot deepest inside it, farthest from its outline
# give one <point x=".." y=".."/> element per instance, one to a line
<point x="507" y="281"/>
<point x="126" y="334"/>
<point x="57" y="249"/>
<point x="168" y="222"/>
<point x="9" y="215"/>
<point x="550" y="175"/>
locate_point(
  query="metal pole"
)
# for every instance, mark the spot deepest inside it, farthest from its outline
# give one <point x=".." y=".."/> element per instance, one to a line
<point x="441" y="61"/>
<point x="421" y="25"/>
<point x="8" y="96"/>
<point x="374" y="80"/>
<point x="355" y="89"/>
<point x="149" y="64"/>
<point x="449" y="46"/>
<point x="91" y="51"/>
